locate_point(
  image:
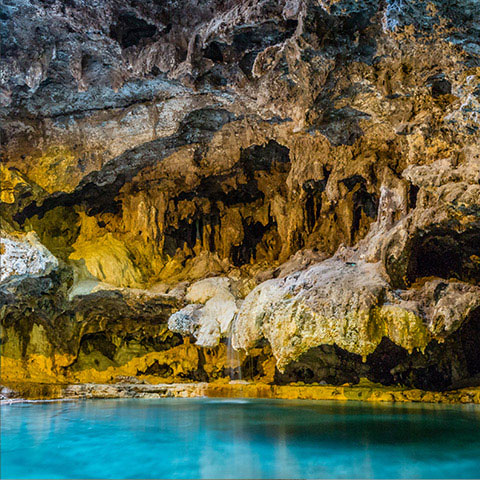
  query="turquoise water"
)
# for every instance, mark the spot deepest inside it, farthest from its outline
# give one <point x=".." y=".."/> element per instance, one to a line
<point x="210" y="438"/>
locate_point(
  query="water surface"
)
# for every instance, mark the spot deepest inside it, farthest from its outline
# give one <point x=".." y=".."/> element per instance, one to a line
<point x="210" y="438"/>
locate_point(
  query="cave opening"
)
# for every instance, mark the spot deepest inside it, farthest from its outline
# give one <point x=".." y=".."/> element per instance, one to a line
<point x="469" y="337"/>
<point x="252" y="367"/>
<point x="364" y="203"/>
<point x="439" y="85"/>
<point x="313" y="202"/>
<point x="129" y="30"/>
<point x="213" y="51"/>
<point x="412" y="196"/>
<point x="452" y="364"/>
<point x="248" y="38"/>
<point x="382" y="361"/>
<point x="176" y="238"/>
<point x="253" y="235"/>
<point x="446" y="254"/>
<point x="189" y="231"/>
<point x="325" y="363"/>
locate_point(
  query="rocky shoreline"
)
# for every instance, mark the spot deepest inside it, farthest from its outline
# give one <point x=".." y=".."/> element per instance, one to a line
<point x="364" y="391"/>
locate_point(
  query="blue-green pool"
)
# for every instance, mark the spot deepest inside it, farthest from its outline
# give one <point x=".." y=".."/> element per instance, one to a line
<point x="210" y="438"/>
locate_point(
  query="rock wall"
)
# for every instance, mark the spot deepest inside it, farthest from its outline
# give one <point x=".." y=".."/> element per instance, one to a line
<point x="297" y="181"/>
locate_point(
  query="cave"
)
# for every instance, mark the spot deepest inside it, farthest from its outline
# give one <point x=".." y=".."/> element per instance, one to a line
<point x="467" y="336"/>
<point x="443" y="366"/>
<point x="326" y="364"/>
<point x="129" y="30"/>
<point x="230" y="229"/>
<point x="444" y="253"/>
<point x="300" y="173"/>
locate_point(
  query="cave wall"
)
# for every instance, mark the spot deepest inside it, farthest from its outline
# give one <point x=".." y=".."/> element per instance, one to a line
<point x="149" y="145"/>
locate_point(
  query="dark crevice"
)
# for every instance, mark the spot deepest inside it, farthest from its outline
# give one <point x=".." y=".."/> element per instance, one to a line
<point x="200" y="375"/>
<point x="247" y="61"/>
<point x="412" y="196"/>
<point x="252" y="367"/>
<point x="253" y="235"/>
<point x="469" y="337"/>
<point x="439" y="85"/>
<point x="213" y="51"/>
<point x="217" y="188"/>
<point x="363" y="202"/>
<point x="382" y="361"/>
<point x="129" y="30"/>
<point x="157" y="369"/>
<point x="159" y="343"/>
<point x="188" y="232"/>
<point x="446" y="254"/>
<point x="259" y="37"/>
<point x="265" y="157"/>
<point x="313" y="202"/>
<point x="324" y="364"/>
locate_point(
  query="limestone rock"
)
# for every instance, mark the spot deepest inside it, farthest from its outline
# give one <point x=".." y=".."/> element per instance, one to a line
<point x="209" y="320"/>
<point x="24" y="256"/>
<point x="356" y="299"/>
<point x="108" y="260"/>
<point x="331" y="303"/>
<point x="186" y="321"/>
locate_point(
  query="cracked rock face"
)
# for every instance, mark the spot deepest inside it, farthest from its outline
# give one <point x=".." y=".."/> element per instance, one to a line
<point x="300" y="176"/>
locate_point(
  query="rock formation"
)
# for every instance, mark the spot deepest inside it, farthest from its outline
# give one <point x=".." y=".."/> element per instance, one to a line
<point x="300" y="178"/>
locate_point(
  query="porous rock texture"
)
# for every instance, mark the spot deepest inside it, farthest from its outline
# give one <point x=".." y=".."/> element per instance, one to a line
<point x="297" y="180"/>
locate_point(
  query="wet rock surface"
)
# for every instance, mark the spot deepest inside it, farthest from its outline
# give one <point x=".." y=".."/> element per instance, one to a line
<point x="298" y="179"/>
